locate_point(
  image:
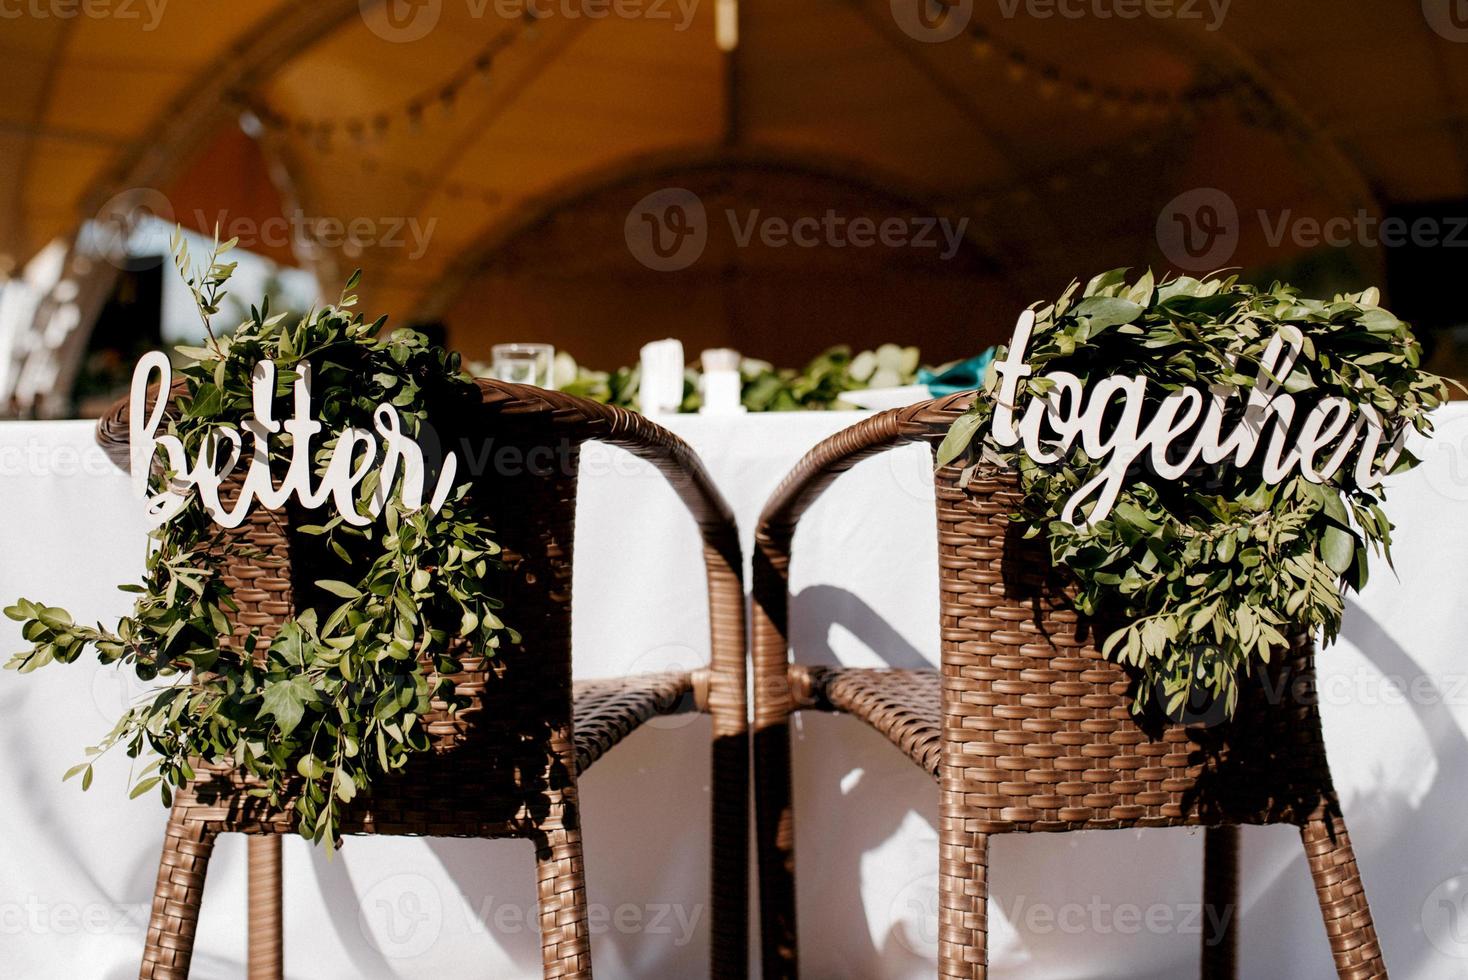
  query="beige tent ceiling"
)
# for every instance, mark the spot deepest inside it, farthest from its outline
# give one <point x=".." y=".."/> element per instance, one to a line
<point x="1053" y="134"/>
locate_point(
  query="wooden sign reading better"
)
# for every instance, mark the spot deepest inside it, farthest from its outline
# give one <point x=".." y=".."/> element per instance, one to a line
<point x="354" y="456"/>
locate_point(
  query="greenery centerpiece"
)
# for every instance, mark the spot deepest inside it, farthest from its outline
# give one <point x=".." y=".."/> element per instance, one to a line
<point x="336" y="699"/>
<point x="1211" y="570"/>
<point x="763" y="388"/>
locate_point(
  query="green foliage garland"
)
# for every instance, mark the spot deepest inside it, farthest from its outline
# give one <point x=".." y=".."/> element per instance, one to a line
<point x="1210" y="572"/>
<point x="817" y="387"/>
<point x="339" y="699"/>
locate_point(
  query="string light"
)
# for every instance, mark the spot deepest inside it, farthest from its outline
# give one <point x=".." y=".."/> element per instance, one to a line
<point x="362" y="129"/>
<point x="454" y="190"/>
<point x="1052" y="82"/>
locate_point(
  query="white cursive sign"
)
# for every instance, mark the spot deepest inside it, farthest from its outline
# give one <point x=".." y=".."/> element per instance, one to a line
<point x="1052" y="423"/>
<point x="352" y="458"/>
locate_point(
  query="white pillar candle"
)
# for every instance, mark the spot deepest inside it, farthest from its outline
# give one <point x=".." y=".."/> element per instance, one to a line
<point x="721" y="391"/>
<point x="661" y="387"/>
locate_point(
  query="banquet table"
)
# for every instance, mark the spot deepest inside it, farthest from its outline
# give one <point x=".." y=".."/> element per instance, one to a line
<point x="79" y="868"/>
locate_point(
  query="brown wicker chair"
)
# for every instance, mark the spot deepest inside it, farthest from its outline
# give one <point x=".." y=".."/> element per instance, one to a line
<point x="507" y="764"/>
<point x="1026" y="728"/>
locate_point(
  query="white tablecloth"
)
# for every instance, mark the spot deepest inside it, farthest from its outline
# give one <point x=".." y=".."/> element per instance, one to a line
<point x="78" y="869"/>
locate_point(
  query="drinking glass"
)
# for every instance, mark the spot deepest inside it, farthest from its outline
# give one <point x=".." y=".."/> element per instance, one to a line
<point x="526" y="364"/>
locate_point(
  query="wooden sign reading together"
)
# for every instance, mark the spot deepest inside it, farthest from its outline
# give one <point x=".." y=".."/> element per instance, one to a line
<point x="354" y="456"/>
<point x="1187" y="425"/>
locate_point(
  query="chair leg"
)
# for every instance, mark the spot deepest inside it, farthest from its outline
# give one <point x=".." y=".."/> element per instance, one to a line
<point x="963" y="900"/>
<point x="774" y="823"/>
<point x="187" y="846"/>
<point x="565" y="940"/>
<point x="729" y="871"/>
<point x="266" y="946"/>
<point x="1342" y="899"/>
<point x="1220" y="902"/>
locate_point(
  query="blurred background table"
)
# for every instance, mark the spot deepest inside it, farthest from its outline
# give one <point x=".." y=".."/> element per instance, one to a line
<point x="79" y="868"/>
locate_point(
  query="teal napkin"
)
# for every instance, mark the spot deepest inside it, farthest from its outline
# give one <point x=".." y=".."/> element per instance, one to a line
<point x="963" y="376"/>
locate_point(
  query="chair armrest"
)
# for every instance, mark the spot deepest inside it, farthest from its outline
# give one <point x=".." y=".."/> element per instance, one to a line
<point x="722" y="690"/>
<point x="112" y="427"/>
<point x="926" y="421"/>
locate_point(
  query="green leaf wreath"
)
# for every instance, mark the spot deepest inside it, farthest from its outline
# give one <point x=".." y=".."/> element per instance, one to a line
<point x="1212" y="571"/>
<point x="338" y="699"/>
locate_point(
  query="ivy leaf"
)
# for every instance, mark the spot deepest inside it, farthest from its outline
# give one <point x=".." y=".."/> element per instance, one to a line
<point x="341" y="589"/>
<point x="286" y="700"/>
<point x="1104" y="281"/>
<point x="1337" y="548"/>
<point x="1106" y="311"/>
<point x="143" y="786"/>
<point x="960" y="434"/>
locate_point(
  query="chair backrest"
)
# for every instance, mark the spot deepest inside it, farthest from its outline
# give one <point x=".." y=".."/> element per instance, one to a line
<point x="522" y="454"/>
<point x="1039" y="729"/>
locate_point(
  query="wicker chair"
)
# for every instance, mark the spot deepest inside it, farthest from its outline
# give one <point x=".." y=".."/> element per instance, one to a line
<point x="507" y="764"/>
<point x="1026" y="728"/>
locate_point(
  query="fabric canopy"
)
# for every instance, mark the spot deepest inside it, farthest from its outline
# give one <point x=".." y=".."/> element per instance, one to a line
<point x="443" y="129"/>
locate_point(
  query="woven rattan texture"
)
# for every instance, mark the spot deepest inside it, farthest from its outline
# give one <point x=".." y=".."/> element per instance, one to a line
<point x="901" y="704"/>
<point x="506" y="763"/>
<point x="1037" y="730"/>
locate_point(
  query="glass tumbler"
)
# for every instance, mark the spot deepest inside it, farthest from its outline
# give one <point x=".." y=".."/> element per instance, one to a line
<point x="526" y="364"/>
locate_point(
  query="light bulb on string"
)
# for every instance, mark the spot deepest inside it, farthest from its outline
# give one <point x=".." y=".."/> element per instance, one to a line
<point x="530" y="22"/>
<point x="980" y="43"/>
